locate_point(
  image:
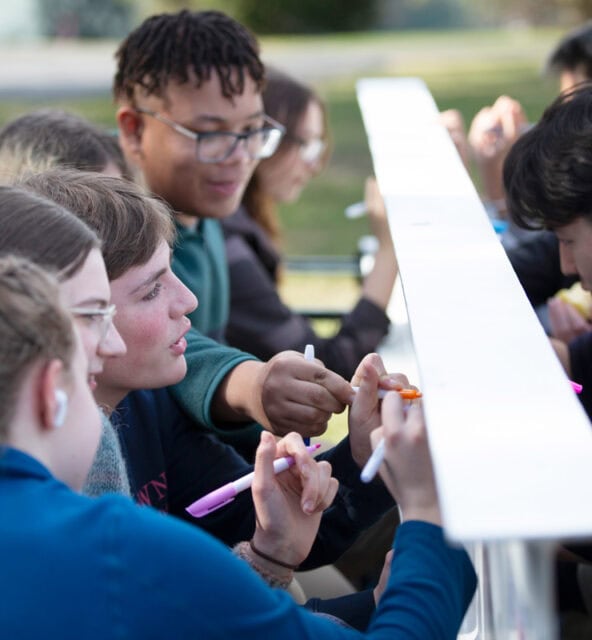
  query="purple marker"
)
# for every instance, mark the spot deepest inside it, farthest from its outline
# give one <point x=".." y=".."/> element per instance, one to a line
<point x="219" y="497"/>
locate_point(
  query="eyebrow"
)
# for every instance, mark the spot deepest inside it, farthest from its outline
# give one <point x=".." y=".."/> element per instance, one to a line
<point x="150" y="279"/>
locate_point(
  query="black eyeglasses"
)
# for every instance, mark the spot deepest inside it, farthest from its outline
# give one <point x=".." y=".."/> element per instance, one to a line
<point x="216" y="146"/>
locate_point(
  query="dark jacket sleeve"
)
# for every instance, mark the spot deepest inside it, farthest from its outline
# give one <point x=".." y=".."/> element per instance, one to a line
<point x="536" y="263"/>
<point x="263" y="325"/>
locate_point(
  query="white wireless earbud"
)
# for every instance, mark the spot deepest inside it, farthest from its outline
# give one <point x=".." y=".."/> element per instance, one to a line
<point x="61" y="398"/>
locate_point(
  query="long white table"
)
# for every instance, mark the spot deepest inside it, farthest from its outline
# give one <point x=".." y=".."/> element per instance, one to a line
<point x="511" y="445"/>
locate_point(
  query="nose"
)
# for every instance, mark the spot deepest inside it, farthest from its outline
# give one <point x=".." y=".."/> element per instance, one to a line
<point x="566" y="260"/>
<point x="184" y="301"/>
<point x="112" y="344"/>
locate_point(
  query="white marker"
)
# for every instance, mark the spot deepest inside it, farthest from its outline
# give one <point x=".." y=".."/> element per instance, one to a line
<point x="374" y="461"/>
<point x="356" y="210"/>
<point x="310" y="356"/>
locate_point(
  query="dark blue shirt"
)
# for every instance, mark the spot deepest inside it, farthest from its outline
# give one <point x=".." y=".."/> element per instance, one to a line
<point x="97" y="568"/>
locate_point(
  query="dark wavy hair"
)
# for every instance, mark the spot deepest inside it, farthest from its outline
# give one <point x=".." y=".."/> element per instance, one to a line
<point x="548" y="171"/>
<point x="573" y="52"/>
<point x="172" y="46"/>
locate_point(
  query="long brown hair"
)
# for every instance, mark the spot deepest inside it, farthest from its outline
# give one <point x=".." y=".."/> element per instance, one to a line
<point x="285" y="100"/>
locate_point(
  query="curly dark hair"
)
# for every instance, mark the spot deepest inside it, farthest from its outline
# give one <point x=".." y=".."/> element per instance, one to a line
<point x="548" y="171"/>
<point x="170" y="46"/>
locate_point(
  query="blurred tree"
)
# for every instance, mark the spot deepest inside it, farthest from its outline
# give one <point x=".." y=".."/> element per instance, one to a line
<point x="583" y="7"/>
<point x="423" y="14"/>
<point x="86" y="18"/>
<point x="149" y="7"/>
<point x="536" y="12"/>
<point x="306" y="16"/>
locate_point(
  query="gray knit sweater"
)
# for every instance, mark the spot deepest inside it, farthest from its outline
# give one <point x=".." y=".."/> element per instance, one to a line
<point x="108" y="473"/>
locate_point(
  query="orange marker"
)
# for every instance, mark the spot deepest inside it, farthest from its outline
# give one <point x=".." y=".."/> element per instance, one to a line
<point x="406" y="394"/>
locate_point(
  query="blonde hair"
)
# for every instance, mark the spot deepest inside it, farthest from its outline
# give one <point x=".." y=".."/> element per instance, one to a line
<point x="34" y="327"/>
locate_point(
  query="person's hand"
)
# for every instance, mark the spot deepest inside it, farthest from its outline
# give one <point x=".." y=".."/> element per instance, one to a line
<point x="492" y="133"/>
<point x="299" y="395"/>
<point x="562" y="353"/>
<point x="289" y="505"/>
<point x="384" y="576"/>
<point x="364" y="413"/>
<point x="566" y="323"/>
<point x="495" y="129"/>
<point x="454" y="123"/>
<point x="407" y="467"/>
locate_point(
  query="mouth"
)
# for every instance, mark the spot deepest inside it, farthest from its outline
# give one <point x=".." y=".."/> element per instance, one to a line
<point x="92" y="382"/>
<point x="180" y="345"/>
<point x="225" y="187"/>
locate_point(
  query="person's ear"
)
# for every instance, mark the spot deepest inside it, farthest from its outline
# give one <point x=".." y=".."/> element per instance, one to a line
<point x="131" y="128"/>
<point x="54" y="400"/>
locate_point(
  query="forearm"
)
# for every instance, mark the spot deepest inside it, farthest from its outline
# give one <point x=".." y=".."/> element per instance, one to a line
<point x="238" y="397"/>
<point x="491" y="180"/>
<point x="378" y="284"/>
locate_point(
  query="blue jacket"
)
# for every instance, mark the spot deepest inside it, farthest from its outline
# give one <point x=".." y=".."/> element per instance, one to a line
<point x="75" y="567"/>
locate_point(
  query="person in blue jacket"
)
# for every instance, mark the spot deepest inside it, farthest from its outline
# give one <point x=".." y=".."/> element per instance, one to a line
<point x="105" y="568"/>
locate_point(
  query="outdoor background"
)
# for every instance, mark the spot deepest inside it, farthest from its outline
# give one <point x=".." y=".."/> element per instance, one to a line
<point x="61" y="53"/>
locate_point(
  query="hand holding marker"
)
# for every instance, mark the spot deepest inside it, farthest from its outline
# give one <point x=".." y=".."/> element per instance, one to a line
<point x="225" y="494"/>
<point x="375" y="460"/>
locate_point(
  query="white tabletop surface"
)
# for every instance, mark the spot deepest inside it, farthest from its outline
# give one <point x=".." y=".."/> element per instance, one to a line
<point x="511" y="445"/>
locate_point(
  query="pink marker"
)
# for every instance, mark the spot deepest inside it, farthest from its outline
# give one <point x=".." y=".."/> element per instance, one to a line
<point x="219" y="497"/>
<point x="576" y="387"/>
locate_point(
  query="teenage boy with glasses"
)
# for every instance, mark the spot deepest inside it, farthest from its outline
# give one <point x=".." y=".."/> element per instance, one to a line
<point x="186" y="82"/>
<point x="191" y="119"/>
